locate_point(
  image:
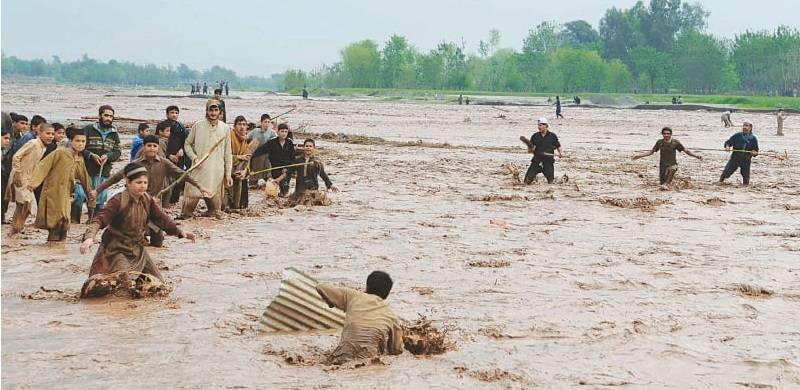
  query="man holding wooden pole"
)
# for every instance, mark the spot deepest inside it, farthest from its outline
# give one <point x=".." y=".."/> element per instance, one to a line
<point x="209" y="147"/>
<point x="745" y="147"/>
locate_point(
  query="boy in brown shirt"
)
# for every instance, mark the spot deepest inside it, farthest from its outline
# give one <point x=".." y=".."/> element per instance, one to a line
<point x="371" y="328"/>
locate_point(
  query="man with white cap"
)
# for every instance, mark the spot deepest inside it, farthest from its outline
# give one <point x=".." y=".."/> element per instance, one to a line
<point x="216" y="170"/>
<point x="745" y="147"/>
<point x="543" y="145"/>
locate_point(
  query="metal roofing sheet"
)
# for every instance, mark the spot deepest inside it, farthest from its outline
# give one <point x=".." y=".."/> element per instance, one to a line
<point x="298" y="307"/>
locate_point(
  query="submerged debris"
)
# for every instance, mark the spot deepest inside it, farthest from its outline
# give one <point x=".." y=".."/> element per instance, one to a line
<point x="640" y="203"/>
<point x="751" y="290"/>
<point x="497" y="197"/>
<point x="422" y="338"/>
<point x="489" y="263"/>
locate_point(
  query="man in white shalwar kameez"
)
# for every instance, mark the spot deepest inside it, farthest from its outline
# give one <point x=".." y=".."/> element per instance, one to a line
<point x="215" y="172"/>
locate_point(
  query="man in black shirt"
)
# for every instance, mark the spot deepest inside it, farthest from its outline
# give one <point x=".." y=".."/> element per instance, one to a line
<point x="280" y="152"/>
<point x="542" y="144"/>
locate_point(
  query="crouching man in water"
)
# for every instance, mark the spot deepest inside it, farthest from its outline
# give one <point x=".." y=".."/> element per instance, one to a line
<point x="121" y="259"/>
<point x="370" y="327"/>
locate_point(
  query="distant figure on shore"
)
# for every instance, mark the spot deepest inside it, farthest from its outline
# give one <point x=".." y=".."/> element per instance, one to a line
<point x="305" y="93"/>
<point x="227" y="91"/>
<point x="726" y="118"/>
<point x="558" y="108"/>
<point x="192" y="93"/>
<point x="780" y="118"/>
<point x="680" y="99"/>
<point x="460" y="99"/>
<point x="205" y="88"/>
<point x="674" y="100"/>
<point x="467" y="100"/>
<point x="577" y="100"/>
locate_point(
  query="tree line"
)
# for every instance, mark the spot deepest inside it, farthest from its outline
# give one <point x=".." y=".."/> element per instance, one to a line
<point x="88" y="70"/>
<point x="660" y="47"/>
<point x="655" y="48"/>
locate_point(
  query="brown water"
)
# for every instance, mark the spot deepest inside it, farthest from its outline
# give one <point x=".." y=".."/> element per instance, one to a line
<point x="544" y="285"/>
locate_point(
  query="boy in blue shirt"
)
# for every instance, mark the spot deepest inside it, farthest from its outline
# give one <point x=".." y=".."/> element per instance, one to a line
<point x="138" y="141"/>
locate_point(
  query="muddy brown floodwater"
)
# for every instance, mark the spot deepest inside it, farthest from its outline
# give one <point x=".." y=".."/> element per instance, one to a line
<point x="601" y="281"/>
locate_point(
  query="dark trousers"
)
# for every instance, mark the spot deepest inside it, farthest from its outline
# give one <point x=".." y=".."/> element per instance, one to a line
<point x="736" y="162"/>
<point x="666" y="173"/>
<point x="284" y="185"/>
<point x="6" y="174"/>
<point x="175" y="196"/>
<point x="541" y="165"/>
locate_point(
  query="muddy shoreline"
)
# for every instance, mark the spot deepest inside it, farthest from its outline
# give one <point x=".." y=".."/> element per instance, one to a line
<point x="604" y="280"/>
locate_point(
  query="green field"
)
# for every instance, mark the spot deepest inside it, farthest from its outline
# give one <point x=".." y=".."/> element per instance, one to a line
<point x="744" y="102"/>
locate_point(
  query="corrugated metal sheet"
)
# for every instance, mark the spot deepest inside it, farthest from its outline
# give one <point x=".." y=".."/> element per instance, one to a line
<point x="298" y="307"/>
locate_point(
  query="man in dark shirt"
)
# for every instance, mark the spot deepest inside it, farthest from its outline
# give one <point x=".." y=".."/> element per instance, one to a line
<point x="745" y="147"/>
<point x="308" y="174"/>
<point x="280" y="152"/>
<point x="668" y="163"/>
<point x="175" y="144"/>
<point x="542" y="144"/>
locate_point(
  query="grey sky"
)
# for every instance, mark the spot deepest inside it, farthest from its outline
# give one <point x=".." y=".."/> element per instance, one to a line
<point x="264" y="37"/>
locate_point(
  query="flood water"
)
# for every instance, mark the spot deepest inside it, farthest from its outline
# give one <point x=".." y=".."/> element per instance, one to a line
<point x="552" y="286"/>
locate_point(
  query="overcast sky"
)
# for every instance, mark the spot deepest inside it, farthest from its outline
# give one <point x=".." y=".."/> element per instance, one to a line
<point x="263" y="37"/>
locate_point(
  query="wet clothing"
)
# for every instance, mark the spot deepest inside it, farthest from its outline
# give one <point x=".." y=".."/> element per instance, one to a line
<point x="740" y="160"/>
<point x="238" y="193"/>
<point x="307" y="175"/>
<point x="558" y="109"/>
<point x="278" y="156"/>
<point x="257" y="138"/>
<point x="726" y="119"/>
<point x="57" y="174"/>
<point x="22" y="166"/>
<point x="216" y="168"/>
<point x="177" y="140"/>
<point x="159" y="171"/>
<point x="740" y="141"/>
<point x="543" y="161"/>
<point x="125" y="219"/>
<point x="371" y="328"/>
<point x="668" y="162"/>
<point x="668" y="151"/>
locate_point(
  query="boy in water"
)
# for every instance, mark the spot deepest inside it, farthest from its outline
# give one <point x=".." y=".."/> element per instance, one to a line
<point x="57" y="174"/>
<point x="371" y="328"/>
<point x="23" y="164"/>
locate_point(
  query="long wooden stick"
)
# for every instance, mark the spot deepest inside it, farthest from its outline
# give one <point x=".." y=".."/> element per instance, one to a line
<point x="280" y="167"/>
<point x="193" y="167"/>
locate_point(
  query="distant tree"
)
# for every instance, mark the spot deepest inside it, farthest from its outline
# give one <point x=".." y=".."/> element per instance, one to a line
<point x="361" y="64"/>
<point x="579" y="33"/>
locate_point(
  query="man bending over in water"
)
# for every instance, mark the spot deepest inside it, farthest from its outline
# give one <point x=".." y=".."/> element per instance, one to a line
<point x="370" y="327"/>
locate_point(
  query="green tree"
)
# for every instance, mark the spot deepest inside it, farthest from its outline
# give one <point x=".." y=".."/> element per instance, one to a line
<point x="397" y="58"/>
<point x="699" y="61"/>
<point x="361" y="63"/>
<point x="652" y="68"/>
<point x="573" y="70"/>
<point x="619" y="33"/>
<point x="579" y="33"/>
<point x="618" y="77"/>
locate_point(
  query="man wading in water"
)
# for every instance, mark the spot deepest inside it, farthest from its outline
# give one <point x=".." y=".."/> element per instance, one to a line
<point x="668" y="164"/>
<point x="745" y="147"/>
<point x="542" y="145"/>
